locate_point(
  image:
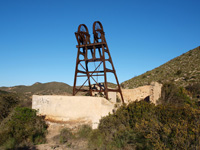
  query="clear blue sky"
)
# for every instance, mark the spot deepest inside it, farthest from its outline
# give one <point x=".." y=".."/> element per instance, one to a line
<point x="37" y="41"/>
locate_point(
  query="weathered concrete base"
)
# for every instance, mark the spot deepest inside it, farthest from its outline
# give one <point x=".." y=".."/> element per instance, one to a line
<point x="69" y="109"/>
<point x="150" y="93"/>
<point x="112" y="96"/>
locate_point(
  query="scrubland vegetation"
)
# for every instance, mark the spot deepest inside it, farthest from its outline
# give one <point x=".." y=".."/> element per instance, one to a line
<point x="172" y="124"/>
<point x="20" y="128"/>
<point x="182" y="70"/>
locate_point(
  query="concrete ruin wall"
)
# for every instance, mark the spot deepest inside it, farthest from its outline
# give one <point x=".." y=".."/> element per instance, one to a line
<point x="86" y="109"/>
<point x="152" y="92"/>
<point x="83" y="109"/>
<point x="155" y="92"/>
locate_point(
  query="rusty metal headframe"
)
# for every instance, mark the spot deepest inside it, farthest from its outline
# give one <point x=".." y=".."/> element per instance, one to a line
<point x="98" y="52"/>
<point x="99" y="34"/>
<point x="82" y="36"/>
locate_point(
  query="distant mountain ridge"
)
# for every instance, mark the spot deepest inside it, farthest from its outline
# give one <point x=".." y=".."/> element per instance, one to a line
<point x="50" y="88"/>
<point x="182" y="70"/>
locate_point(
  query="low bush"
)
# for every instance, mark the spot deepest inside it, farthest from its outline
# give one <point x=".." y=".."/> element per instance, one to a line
<point x="194" y="89"/>
<point x="95" y="140"/>
<point x="178" y="72"/>
<point x="142" y="125"/>
<point x="84" y="131"/>
<point x="65" y="135"/>
<point x="7" y="102"/>
<point x="22" y="128"/>
<point x="176" y="96"/>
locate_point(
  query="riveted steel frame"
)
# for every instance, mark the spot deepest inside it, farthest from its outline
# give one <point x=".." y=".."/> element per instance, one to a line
<point x="84" y="47"/>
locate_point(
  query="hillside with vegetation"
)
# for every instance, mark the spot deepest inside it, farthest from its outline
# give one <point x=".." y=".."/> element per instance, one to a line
<point x="171" y="124"/>
<point x="141" y="125"/>
<point x="51" y="88"/>
<point x="41" y="88"/>
<point x="183" y="70"/>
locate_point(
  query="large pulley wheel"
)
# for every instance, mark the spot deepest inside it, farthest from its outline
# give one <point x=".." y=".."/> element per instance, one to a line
<point x="83" y="34"/>
<point x="98" y="32"/>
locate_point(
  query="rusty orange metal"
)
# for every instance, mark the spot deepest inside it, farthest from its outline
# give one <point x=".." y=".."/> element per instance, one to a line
<point x="100" y="47"/>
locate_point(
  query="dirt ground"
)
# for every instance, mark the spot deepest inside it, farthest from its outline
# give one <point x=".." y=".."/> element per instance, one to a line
<point x="53" y="139"/>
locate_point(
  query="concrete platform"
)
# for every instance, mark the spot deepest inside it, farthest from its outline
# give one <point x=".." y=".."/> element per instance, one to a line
<point x="72" y="109"/>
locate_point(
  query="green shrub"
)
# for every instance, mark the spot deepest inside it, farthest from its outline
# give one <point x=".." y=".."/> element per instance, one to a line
<point x="176" y="96"/>
<point x="95" y="140"/>
<point x="84" y="131"/>
<point x="7" y="102"/>
<point x="141" y="125"/>
<point x="65" y="135"/>
<point x="194" y="89"/>
<point x="178" y="72"/>
<point x="22" y="128"/>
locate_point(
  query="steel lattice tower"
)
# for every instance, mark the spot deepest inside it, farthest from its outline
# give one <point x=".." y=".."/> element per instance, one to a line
<point x="90" y="53"/>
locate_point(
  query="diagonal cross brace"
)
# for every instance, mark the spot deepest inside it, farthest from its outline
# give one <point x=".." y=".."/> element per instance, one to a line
<point x="90" y="76"/>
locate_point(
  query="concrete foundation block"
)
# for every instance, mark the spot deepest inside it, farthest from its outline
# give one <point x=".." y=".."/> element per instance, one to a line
<point x="83" y="109"/>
